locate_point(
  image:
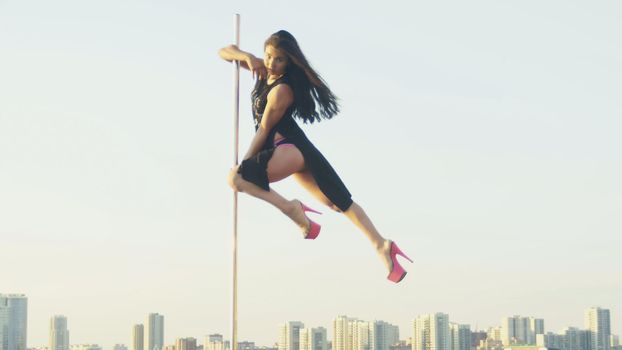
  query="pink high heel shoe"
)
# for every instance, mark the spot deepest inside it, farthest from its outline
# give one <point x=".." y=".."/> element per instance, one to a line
<point x="397" y="271"/>
<point x="314" y="228"/>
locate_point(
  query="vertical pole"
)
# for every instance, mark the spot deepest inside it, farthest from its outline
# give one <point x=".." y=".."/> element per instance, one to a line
<point x="236" y="123"/>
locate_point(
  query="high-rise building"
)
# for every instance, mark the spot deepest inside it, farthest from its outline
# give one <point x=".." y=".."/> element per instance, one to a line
<point x="383" y="335"/>
<point x="313" y="339"/>
<point x="289" y="335"/>
<point x="342" y="333"/>
<point x="4" y="323"/>
<point x="431" y="332"/>
<point x="521" y="330"/>
<point x="138" y="337"/>
<point x="494" y="334"/>
<point x="13" y="321"/>
<point x="154" y="332"/>
<point x="214" y="338"/>
<point x="185" y="344"/>
<point x="215" y="342"/>
<point x="361" y="335"/>
<point x="59" y="335"/>
<point x="551" y="341"/>
<point x="460" y="336"/>
<point x="576" y="339"/>
<point x="614" y="341"/>
<point x="514" y="330"/>
<point x="354" y="334"/>
<point x="536" y="326"/>
<point x="305" y="339"/>
<point x="598" y="323"/>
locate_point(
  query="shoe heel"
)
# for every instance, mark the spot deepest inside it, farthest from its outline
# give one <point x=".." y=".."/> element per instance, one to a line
<point x="398" y="251"/>
<point x="305" y="208"/>
<point x="314" y="228"/>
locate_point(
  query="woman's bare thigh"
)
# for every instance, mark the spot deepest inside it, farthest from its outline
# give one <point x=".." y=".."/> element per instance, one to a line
<point x="285" y="160"/>
<point x="306" y="180"/>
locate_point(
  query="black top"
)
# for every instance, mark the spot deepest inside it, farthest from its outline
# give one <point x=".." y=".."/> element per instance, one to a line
<point x="259" y="98"/>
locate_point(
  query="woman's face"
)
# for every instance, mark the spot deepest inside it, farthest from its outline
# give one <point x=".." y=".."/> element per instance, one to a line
<point x="275" y="61"/>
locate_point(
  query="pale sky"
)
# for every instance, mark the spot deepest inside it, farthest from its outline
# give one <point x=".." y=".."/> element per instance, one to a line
<point x="482" y="136"/>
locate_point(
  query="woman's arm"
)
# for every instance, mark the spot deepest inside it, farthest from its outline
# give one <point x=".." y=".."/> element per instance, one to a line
<point x="279" y="99"/>
<point x="247" y="60"/>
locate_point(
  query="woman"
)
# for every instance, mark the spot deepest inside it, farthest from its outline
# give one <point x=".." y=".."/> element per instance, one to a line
<point x="287" y="88"/>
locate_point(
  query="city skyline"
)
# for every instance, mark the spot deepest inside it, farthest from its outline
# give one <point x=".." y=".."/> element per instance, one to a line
<point x="512" y="330"/>
<point x="482" y="136"/>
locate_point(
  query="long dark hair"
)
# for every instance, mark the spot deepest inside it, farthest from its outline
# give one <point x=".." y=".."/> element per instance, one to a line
<point x="308" y="85"/>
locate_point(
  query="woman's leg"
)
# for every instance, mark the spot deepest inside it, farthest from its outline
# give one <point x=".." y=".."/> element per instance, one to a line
<point x="355" y="213"/>
<point x="285" y="160"/>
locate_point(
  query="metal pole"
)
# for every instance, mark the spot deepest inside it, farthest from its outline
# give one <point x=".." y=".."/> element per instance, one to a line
<point x="236" y="123"/>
